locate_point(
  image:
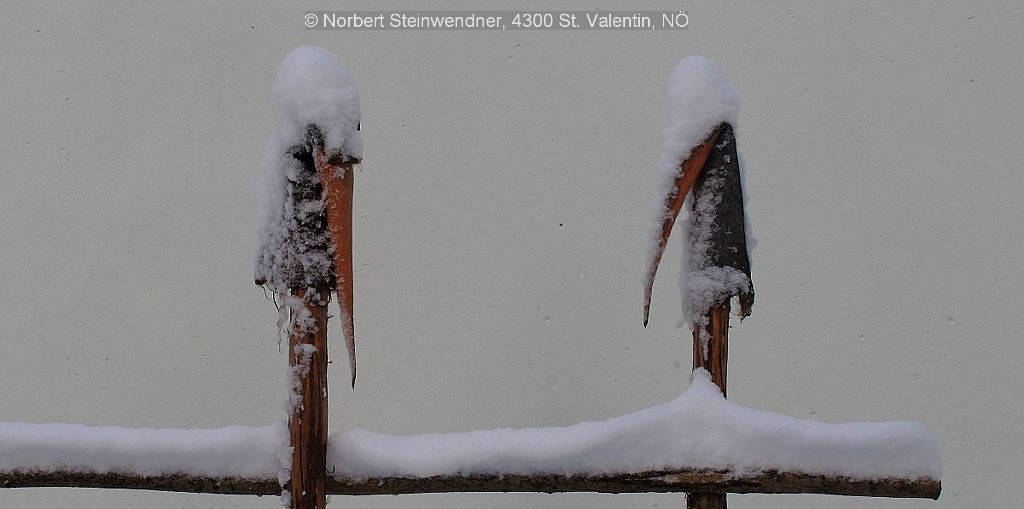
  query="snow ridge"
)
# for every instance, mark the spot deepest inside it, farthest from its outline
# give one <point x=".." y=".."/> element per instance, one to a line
<point x="699" y="429"/>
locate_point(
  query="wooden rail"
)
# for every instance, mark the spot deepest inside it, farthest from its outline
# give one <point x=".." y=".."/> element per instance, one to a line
<point x="677" y="481"/>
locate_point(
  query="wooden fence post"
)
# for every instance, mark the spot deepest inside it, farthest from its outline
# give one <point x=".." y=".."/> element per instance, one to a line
<point x="328" y="235"/>
<point x="718" y="346"/>
<point x="715" y="363"/>
<point x="725" y="246"/>
<point x="307" y="421"/>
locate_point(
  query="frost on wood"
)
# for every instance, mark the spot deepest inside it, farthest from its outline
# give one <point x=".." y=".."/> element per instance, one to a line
<point x="303" y="353"/>
<point x="312" y="88"/>
<point x="702" y="108"/>
<point x="294" y="317"/>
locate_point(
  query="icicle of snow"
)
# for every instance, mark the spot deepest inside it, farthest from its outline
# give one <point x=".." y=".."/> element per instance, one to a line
<point x="286" y="499"/>
<point x="700" y="429"/>
<point x="284" y="459"/>
<point x="311" y="88"/>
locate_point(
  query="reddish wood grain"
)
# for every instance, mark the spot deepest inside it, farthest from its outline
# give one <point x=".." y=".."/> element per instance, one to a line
<point x="338" y="179"/>
<point x="688" y="172"/>
<point x="308" y="423"/>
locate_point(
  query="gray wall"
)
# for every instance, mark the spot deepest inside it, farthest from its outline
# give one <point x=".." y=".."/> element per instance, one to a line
<point x="501" y="214"/>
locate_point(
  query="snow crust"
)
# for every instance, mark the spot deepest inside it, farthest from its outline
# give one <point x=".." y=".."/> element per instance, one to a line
<point x="238" y="451"/>
<point x="311" y="88"/>
<point x="699" y="429"/>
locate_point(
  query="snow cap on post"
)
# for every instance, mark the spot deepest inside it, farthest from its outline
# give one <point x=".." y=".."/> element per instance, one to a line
<point x="700" y="98"/>
<point x="702" y="108"/>
<point x="306" y="235"/>
<point x="313" y="88"/>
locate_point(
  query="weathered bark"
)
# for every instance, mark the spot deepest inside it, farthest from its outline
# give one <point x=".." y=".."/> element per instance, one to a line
<point x="307" y="422"/>
<point x="305" y="232"/>
<point x="180" y="483"/>
<point x="646" y="482"/>
<point x="717" y="357"/>
<point x="322" y="180"/>
<point x="338" y="179"/>
<point x="720" y="179"/>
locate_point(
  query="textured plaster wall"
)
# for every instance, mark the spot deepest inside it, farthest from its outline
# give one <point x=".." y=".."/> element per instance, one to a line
<point x="500" y="223"/>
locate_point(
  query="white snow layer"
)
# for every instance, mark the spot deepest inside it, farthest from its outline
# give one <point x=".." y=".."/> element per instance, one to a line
<point x="700" y="98"/>
<point x="235" y="451"/>
<point x="312" y="87"/>
<point x="698" y="430"/>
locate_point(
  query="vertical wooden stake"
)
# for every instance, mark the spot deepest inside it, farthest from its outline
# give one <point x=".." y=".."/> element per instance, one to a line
<point x="717" y="358"/>
<point x="308" y="423"/>
<point x="718" y="345"/>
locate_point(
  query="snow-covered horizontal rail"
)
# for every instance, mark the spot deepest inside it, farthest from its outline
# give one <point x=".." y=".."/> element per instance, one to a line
<point x="699" y="442"/>
<point x="682" y="481"/>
